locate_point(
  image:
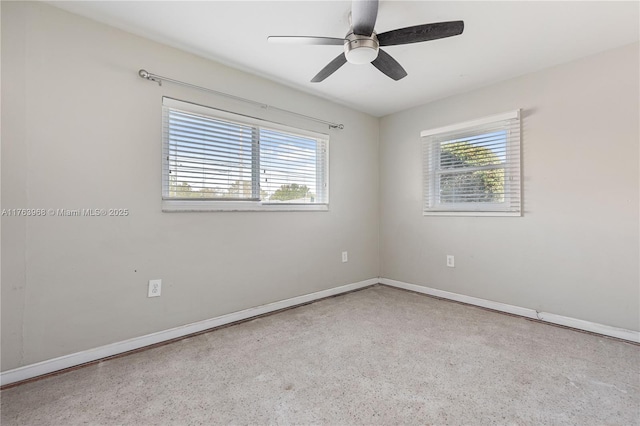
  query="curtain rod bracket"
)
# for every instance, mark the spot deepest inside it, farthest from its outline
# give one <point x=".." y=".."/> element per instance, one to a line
<point x="145" y="74"/>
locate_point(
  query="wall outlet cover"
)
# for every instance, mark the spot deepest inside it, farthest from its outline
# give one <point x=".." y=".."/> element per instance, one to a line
<point x="155" y="288"/>
<point x="451" y="262"/>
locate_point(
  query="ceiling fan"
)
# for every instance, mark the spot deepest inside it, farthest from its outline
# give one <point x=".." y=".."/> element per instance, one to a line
<point x="362" y="43"/>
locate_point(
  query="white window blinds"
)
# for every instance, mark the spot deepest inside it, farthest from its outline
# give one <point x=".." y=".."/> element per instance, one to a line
<point x="473" y="167"/>
<point x="217" y="156"/>
<point x="291" y="168"/>
<point x="208" y="158"/>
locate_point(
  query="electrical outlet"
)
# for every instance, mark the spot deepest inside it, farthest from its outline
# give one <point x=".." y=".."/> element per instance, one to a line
<point x="345" y="256"/>
<point x="451" y="263"/>
<point x="155" y="288"/>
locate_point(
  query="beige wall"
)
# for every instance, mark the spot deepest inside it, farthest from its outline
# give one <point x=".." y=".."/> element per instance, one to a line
<point x="80" y="129"/>
<point x="575" y="251"/>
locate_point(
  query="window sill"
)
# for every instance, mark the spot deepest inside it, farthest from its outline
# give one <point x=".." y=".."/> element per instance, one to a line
<point x="176" y="206"/>
<point x="470" y="213"/>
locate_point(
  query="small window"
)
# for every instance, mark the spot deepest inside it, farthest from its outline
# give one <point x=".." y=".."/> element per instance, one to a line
<point x="473" y="168"/>
<point x="215" y="160"/>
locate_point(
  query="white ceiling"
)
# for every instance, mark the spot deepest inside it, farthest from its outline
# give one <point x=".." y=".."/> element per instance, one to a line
<point x="501" y="40"/>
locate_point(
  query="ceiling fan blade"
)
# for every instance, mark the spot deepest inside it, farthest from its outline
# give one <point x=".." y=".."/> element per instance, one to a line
<point x="331" y="67"/>
<point x="389" y="66"/>
<point x="306" y="40"/>
<point x="363" y="16"/>
<point x="420" y="33"/>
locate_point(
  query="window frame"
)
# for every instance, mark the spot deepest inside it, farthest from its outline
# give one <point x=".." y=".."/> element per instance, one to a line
<point x="233" y="205"/>
<point x="432" y="145"/>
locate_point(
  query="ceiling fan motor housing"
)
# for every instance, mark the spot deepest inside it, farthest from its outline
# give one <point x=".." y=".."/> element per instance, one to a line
<point x="360" y="49"/>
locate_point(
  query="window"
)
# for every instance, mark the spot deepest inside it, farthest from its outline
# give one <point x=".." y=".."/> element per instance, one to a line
<point x="473" y="168"/>
<point x="215" y="160"/>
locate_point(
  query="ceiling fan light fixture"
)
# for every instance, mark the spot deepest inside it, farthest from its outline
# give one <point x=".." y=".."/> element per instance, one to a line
<point x="360" y="49"/>
<point x="362" y="43"/>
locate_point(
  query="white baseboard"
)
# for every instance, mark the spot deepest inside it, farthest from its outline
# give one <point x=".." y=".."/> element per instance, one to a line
<point x="517" y="310"/>
<point x="78" y="358"/>
<point x="594" y="327"/>
<point x="607" y="330"/>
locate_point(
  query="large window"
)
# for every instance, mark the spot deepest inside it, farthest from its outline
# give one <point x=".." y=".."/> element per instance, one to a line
<point x="473" y="168"/>
<point x="215" y="160"/>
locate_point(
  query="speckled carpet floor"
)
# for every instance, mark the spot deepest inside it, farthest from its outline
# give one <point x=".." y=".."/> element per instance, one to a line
<point x="375" y="356"/>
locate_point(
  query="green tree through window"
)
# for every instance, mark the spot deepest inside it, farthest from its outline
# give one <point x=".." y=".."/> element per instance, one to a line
<point x="291" y="192"/>
<point x="470" y="173"/>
